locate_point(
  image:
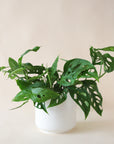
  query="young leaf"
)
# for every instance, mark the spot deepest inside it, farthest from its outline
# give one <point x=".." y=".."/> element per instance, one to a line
<point x="35" y="49"/>
<point x="54" y="66"/>
<point x="2" y="68"/>
<point x="13" y="64"/>
<point x="110" y="48"/>
<point x="20" y="105"/>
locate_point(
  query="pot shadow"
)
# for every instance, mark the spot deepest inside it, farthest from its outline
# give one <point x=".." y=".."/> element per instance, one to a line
<point x="92" y="126"/>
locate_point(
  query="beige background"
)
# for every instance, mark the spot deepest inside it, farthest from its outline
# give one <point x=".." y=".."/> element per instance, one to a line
<point x="62" y="27"/>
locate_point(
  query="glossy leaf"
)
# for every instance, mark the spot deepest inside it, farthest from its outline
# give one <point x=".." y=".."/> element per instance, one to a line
<point x="60" y="99"/>
<point x="23" y="84"/>
<point x="35" y="49"/>
<point x="43" y="94"/>
<point x="33" y="69"/>
<point x="40" y="105"/>
<point x="74" y="69"/>
<point x="95" y="95"/>
<point x="81" y="97"/>
<point x="23" y="96"/>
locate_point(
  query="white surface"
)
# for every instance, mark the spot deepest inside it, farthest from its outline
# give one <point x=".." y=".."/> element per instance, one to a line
<point x="59" y="119"/>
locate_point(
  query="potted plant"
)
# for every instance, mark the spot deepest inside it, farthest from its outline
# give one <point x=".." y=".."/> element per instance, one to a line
<point x="55" y="92"/>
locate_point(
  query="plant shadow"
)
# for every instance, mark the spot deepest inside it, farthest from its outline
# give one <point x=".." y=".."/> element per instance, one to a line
<point x="92" y="126"/>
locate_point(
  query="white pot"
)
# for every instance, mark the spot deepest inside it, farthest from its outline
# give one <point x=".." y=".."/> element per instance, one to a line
<point x="59" y="119"/>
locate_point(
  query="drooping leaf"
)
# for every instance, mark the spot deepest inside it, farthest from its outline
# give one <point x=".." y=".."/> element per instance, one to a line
<point x="60" y="99"/>
<point x="81" y="97"/>
<point x="94" y="94"/>
<point x="42" y="94"/>
<point x="20" y="105"/>
<point x="35" y="49"/>
<point x="73" y="69"/>
<point x="13" y="64"/>
<point x="23" y="96"/>
<point x="41" y="105"/>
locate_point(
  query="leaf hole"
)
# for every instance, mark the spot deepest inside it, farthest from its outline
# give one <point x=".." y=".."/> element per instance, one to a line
<point x="38" y="96"/>
<point x="57" y="101"/>
<point x="39" y="106"/>
<point x="109" y="60"/>
<point x="100" y="107"/>
<point x="86" y="103"/>
<point x="98" y="98"/>
<point x="94" y="104"/>
<point x="75" y="96"/>
<point x="80" y="102"/>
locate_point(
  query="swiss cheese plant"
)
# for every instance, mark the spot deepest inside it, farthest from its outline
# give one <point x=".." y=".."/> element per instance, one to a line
<point x="79" y="78"/>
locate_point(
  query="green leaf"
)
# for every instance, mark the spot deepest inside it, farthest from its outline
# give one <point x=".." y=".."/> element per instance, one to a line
<point x="108" y="62"/>
<point x="54" y="66"/>
<point x="35" y="49"/>
<point x="33" y="69"/>
<point x="94" y="94"/>
<point x="23" y="84"/>
<point x="43" y="94"/>
<point x="110" y="48"/>
<point x="102" y="59"/>
<point x="60" y="99"/>
<point x="20" y="105"/>
<point x="17" y="71"/>
<point x="40" y="105"/>
<point x="22" y="96"/>
<point x="13" y="64"/>
<point x="81" y="97"/>
<point x="77" y="68"/>
<point x="2" y="68"/>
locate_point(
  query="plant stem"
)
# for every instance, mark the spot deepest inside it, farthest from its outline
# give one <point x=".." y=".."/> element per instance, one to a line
<point x="49" y="79"/>
<point x="102" y="75"/>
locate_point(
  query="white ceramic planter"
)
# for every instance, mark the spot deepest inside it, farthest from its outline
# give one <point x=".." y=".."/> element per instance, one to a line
<point x="60" y="119"/>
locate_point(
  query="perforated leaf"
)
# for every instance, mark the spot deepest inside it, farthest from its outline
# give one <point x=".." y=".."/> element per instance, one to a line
<point x="22" y="96"/>
<point x="74" y="69"/>
<point x="81" y="97"/>
<point x="43" y="94"/>
<point x="95" y="95"/>
<point x="60" y="99"/>
<point x="102" y="59"/>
